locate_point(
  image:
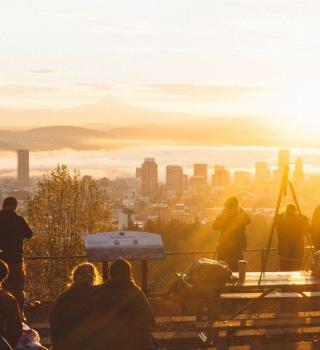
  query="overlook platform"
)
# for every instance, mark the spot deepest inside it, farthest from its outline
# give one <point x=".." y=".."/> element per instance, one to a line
<point x="270" y="326"/>
<point x="286" y="317"/>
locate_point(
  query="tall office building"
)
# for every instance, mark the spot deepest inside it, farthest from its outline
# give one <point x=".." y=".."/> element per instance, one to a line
<point x="262" y="175"/>
<point x="201" y="170"/>
<point x="283" y="161"/>
<point x="185" y="182"/>
<point x="298" y="174"/>
<point x="241" y="179"/>
<point x="149" y="176"/>
<point x="174" y="180"/>
<point x="197" y="183"/>
<point x="220" y="177"/>
<point x="138" y="172"/>
<point x="23" y="179"/>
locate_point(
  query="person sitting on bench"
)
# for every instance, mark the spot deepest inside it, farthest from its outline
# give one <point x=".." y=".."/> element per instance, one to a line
<point x="125" y="316"/>
<point x="73" y="321"/>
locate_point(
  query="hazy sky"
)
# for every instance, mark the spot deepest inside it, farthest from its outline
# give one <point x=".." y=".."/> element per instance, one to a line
<point x="208" y="56"/>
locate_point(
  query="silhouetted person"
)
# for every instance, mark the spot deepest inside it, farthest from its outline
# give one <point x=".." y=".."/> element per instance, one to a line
<point x="232" y="241"/>
<point x="315" y="228"/>
<point x="10" y="318"/>
<point x="73" y="321"/>
<point x="125" y="313"/>
<point x="13" y="230"/>
<point x="291" y="228"/>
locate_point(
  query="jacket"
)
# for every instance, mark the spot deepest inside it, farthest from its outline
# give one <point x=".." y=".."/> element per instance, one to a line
<point x="13" y="230"/>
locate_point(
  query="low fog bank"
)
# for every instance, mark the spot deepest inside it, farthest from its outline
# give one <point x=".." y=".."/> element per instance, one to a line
<point x="216" y="132"/>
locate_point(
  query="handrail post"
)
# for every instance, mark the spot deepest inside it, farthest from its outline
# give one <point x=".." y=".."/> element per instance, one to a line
<point x="144" y="276"/>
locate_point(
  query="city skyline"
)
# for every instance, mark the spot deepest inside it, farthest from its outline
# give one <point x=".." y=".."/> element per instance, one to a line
<point x="182" y="194"/>
<point x="124" y="164"/>
<point x="148" y="171"/>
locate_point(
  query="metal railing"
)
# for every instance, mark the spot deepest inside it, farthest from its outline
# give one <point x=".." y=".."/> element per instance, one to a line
<point x="47" y="276"/>
<point x="197" y="252"/>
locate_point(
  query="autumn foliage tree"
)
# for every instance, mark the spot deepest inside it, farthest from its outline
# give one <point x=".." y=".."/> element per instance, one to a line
<point x="61" y="212"/>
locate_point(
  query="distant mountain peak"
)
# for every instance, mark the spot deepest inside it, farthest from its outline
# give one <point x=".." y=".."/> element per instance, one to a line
<point x="64" y="131"/>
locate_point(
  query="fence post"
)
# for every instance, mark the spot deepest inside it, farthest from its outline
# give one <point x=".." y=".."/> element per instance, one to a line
<point x="144" y="276"/>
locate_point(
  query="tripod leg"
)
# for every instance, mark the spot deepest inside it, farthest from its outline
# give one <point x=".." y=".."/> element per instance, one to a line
<point x="282" y="192"/>
<point x="295" y="199"/>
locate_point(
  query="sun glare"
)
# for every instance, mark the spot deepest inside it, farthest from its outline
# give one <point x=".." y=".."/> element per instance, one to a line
<point x="300" y="108"/>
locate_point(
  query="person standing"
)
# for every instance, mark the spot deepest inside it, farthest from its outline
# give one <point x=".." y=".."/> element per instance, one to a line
<point x="315" y="228"/>
<point x="232" y="241"/>
<point x="13" y="230"/>
<point x="291" y="228"/>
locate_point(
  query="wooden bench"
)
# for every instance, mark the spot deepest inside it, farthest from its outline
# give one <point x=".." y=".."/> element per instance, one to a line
<point x="222" y="334"/>
<point x="281" y="301"/>
<point x="273" y="295"/>
<point x="184" y="332"/>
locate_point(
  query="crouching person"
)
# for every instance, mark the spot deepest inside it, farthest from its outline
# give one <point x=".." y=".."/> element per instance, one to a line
<point x="10" y="317"/>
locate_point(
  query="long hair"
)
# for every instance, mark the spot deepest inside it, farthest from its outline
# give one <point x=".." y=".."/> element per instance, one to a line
<point x="84" y="274"/>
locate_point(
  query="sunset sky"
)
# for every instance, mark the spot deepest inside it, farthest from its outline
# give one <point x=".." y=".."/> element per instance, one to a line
<point x="227" y="57"/>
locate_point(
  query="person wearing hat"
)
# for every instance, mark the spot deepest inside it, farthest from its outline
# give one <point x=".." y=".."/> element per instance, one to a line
<point x="232" y="241"/>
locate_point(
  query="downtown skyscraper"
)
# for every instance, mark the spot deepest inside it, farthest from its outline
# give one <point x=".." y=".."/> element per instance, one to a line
<point x="23" y="178"/>
<point x="174" y="180"/>
<point x="149" y="177"/>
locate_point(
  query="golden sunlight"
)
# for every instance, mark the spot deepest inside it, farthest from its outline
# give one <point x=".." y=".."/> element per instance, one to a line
<point x="300" y="107"/>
